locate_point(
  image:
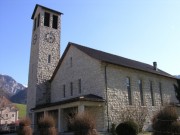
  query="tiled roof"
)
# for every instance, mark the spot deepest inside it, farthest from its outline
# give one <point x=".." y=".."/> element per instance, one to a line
<point x="89" y="97"/>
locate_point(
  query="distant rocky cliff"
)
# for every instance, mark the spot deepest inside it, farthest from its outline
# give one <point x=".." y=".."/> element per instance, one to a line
<point x="20" y="97"/>
<point x="12" y="90"/>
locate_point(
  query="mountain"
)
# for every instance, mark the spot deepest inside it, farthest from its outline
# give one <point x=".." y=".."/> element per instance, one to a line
<point x="178" y="76"/>
<point x="12" y="90"/>
<point x="20" y="97"/>
<point x="9" y="85"/>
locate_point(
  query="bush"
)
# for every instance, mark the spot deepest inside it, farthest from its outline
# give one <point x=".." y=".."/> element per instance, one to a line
<point x="83" y="123"/>
<point x="46" y="125"/>
<point x="176" y="127"/>
<point x="24" y="127"/>
<point x="127" y="128"/>
<point x="162" y="122"/>
<point x="136" y="113"/>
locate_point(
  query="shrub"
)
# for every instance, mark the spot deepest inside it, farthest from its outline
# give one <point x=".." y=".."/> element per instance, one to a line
<point x="162" y="122"/>
<point x="83" y="123"/>
<point x="176" y="127"/>
<point x="136" y="113"/>
<point x="24" y="127"/>
<point x="127" y="128"/>
<point x="46" y="125"/>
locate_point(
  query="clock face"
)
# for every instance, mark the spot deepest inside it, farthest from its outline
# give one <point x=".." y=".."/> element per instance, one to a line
<point x="34" y="39"/>
<point x="49" y="37"/>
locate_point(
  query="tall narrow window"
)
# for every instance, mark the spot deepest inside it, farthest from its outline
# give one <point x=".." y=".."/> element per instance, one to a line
<point x="46" y="19"/>
<point x="35" y="24"/>
<point x="38" y="20"/>
<point x="151" y="91"/>
<point x="71" y="87"/>
<point x="55" y="21"/>
<point x="64" y="90"/>
<point x="79" y="85"/>
<point x="128" y="85"/>
<point x="49" y="58"/>
<point x="141" y="92"/>
<point x="160" y="92"/>
<point x="71" y="62"/>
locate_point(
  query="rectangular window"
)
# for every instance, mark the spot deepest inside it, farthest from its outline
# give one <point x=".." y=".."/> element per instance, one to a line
<point x="6" y="115"/>
<point x="35" y="24"/>
<point x="128" y="85"/>
<point x="64" y="90"/>
<point x="79" y="85"/>
<point x="55" y="21"/>
<point x="46" y="19"/>
<point x="12" y="115"/>
<point x="49" y="58"/>
<point x="151" y="91"/>
<point x="38" y="20"/>
<point x="160" y="92"/>
<point x="71" y="87"/>
<point x="141" y="92"/>
<point x="71" y="62"/>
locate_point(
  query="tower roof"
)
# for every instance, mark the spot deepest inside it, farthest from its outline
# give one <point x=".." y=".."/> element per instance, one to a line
<point x="37" y="5"/>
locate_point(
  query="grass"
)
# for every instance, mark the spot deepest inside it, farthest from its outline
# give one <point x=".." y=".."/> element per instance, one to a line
<point x="22" y="110"/>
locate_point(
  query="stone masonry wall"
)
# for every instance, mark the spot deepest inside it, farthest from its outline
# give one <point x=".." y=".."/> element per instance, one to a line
<point x="45" y="69"/>
<point x="77" y="65"/>
<point x="92" y="75"/>
<point x="118" y="93"/>
<point x="39" y="69"/>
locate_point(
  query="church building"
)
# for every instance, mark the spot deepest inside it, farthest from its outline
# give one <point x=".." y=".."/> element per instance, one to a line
<point x="86" y="79"/>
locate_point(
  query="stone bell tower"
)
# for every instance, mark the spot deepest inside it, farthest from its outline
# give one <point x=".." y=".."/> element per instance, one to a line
<point x="44" y="56"/>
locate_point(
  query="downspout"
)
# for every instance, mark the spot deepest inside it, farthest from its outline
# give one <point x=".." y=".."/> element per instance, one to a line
<point x="105" y="76"/>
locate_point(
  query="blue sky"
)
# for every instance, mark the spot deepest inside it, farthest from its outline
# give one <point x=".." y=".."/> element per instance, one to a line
<point x="142" y="30"/>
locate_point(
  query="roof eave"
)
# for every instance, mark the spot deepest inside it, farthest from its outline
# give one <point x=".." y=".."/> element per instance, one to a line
<point x="37" y="5"/>
<point x="138" y="69"/>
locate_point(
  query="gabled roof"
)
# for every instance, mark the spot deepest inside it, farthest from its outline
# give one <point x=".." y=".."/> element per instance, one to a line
<point x="89" y="97"/>
<point x="37" y="5"/>
<point x="113" y="59"/>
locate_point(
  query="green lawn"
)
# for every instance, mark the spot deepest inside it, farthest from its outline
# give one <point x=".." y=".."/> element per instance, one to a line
<point x="22" y="110"/>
